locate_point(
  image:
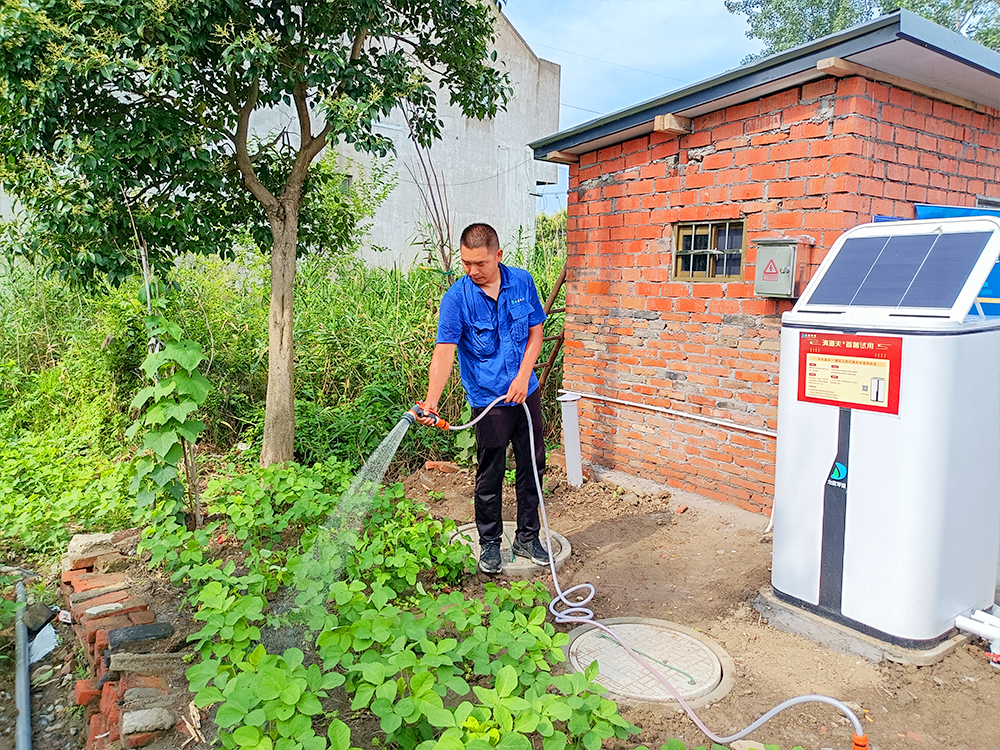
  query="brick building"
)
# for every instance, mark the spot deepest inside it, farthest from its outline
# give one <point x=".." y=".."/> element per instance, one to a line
<point x="675" y="355"/>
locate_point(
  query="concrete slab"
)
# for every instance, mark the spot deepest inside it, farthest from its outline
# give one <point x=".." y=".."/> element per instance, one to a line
<point x="516" y="567"/>
<point x="844" y="640"/>
<point x="695" y="665"/>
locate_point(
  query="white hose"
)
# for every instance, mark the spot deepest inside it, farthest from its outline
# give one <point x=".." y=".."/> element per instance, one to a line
<point x="578" y="612"/>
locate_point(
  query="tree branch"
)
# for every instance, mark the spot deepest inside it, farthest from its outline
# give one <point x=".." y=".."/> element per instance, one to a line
<point x="250" y="179"/>
<point x="359" y="42"/>
<point x="299" y="93"/>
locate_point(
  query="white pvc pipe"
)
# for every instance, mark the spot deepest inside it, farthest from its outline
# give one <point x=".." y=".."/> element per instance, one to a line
<point x="990" y="633"/>
<point x="673" y="412"/>
<point x="987" y="618"/>
<point x="571" y="438"/>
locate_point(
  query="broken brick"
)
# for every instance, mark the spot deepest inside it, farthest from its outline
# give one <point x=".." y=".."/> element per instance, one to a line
<point x="129" y="681"/>
<point x="123" y="607"/>
<point x="145" y="617"/>
<point x="104" y="623"/>
<point x="86" y="691"/>
<point x="88" y="581"/>
<point x="110" y="563"/>
<point x="112" y="597"/>
<point x="139" y="638"/>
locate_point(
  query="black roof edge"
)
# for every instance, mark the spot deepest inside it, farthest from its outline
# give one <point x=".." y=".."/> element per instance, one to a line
<point x="883" y="30"/>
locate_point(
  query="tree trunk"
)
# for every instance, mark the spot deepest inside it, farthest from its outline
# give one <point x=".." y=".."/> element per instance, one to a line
<point x="279" y="412"/>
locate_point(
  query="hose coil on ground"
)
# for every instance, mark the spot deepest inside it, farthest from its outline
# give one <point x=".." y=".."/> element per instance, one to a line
<point x="565" y="610"/>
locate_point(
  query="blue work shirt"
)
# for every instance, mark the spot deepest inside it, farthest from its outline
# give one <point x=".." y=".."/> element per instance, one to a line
<point x="491" y="335"/>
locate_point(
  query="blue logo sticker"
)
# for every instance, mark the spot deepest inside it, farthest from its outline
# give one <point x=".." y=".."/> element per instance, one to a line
<point x="839" y="471"/>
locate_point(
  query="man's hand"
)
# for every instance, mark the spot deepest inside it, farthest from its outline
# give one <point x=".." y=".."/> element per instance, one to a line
<point x="427" y="409"/>
<point x="518" y="390"/>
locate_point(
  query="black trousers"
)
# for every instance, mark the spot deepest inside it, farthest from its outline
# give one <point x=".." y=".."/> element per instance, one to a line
<point x="503" y="425"/>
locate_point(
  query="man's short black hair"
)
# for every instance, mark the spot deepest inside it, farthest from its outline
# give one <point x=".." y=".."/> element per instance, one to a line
<point x="476" y="236"/>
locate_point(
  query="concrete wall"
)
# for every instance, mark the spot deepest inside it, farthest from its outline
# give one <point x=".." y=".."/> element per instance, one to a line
<point x="813" y="161"/>
<point x="488" y="170"/>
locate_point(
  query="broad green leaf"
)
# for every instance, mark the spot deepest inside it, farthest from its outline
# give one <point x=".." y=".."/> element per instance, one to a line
<point x="439" y="717"/>
<point x="186" y="353"/>
<point x="142" y="397"/>
<point x="269" y="685"/>
<point x="293" y="658"/>
<point x="228" y="715"/>
<point x="190" y="429"/>
<point x="390" y="723"/>
<point x="309" y="705"/>
<point x="506" y="681"/>
<point x="340" y="735"/>
<point x="207" y="696"/>
<point x="255" y="718"/>
<point x="513" y="741"/>
<point x="294" y="726"/>
<point x="246" y="736"/>
<point x="291" y="691"/>
<point x="195" y="385"/>
<point x="374" y="673"/>
<point x="160" y="442"/>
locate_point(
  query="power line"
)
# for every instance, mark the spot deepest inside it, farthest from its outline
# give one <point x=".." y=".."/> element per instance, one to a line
<point x="608" y="62"/>
<point x="582" y="109"/>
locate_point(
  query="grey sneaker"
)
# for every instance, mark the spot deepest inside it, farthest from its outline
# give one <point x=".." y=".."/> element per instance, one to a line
<point x="489" y="557"/>
<point x="533" y="550"/>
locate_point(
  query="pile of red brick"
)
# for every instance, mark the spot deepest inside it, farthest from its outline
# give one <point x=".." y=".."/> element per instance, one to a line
<point x="132" y="694"/>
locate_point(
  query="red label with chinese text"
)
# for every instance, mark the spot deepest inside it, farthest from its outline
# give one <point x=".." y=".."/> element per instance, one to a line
<point x="853" y="372"/>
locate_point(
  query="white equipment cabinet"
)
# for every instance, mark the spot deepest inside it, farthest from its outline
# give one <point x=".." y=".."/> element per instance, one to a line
<point x="887" y="487"/>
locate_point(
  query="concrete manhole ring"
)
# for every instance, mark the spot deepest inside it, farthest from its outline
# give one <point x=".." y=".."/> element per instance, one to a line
<point x="694" y="664"/>
<point x="518" y="567"/>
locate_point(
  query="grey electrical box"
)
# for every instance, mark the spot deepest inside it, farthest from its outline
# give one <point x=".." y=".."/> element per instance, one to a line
<point x="781" y="267"/>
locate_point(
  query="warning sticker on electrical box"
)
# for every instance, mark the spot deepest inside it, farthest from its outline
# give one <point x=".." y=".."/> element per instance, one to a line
<point x="854" y="372"/>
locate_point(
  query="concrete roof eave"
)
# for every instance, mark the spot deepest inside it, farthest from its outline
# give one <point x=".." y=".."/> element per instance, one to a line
<point x="900" y="44"/>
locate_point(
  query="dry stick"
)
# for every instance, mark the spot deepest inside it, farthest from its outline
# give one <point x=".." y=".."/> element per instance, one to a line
<point x="433" y="195"/>
<point x="191" y="469"/>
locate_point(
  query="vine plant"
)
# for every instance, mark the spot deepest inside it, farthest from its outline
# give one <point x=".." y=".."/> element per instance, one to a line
<point x="178" y="389"/>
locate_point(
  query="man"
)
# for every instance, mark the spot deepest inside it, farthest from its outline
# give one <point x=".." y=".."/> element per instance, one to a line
<point x="493" y="318"/>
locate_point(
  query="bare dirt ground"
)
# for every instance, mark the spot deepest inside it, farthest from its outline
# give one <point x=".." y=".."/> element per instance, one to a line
<point x="702" y="568"/>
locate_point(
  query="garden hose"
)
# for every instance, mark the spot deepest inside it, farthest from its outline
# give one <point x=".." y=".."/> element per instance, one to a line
<point x="578" y="612"/>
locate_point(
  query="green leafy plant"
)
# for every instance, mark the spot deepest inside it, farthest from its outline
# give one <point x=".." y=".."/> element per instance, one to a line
<point x="228" y="615"/>
<point x="267" y="701"/>
<point x="169" y="430"/>
<point x="8" y="611"/>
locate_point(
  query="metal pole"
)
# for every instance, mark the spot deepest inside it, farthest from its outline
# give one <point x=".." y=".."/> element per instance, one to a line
<point x="22" y="684"/>
<point x="571" y="438"/>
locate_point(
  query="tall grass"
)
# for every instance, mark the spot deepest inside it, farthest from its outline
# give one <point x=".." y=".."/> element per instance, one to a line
<point x="363" y="340"/>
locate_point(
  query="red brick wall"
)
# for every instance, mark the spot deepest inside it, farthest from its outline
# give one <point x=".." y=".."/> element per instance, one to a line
<point x="814" y="160"/>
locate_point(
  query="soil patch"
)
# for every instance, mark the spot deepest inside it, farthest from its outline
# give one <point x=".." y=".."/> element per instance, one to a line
<point x="702" y="568"/>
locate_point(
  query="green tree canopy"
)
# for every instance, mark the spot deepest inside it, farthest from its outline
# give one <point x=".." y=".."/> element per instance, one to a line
<point x="783" y="24"/>
<point x="143" y="118"/>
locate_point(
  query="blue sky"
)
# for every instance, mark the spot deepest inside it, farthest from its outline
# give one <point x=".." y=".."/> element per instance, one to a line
<point x="615" y="53"/>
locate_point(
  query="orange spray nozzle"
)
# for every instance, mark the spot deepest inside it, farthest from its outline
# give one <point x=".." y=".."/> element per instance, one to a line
<point x="861" y="742"/>
<point x="419" y="411"/>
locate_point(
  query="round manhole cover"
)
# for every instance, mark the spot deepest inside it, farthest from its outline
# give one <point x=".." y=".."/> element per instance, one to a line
<point x="515" y="566"/>
<point x="697" y="667"/>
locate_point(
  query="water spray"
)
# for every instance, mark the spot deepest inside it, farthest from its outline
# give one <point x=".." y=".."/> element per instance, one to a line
<point x="566" y="611"/>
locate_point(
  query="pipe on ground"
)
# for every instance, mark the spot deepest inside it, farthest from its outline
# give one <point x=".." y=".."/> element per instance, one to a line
<point x="22" y="683"/>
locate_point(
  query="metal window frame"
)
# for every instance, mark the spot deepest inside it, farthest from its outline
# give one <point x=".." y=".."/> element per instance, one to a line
<point x="712" y="253"/>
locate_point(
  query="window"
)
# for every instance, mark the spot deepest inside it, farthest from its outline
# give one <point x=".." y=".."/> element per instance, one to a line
<point x="713" y="250"/>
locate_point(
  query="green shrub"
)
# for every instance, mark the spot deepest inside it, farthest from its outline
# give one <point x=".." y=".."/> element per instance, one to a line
<point x="52" y="487"/>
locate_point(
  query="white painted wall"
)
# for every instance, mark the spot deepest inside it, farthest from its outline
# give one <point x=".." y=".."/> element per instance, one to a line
<point x="487" y="167"/>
